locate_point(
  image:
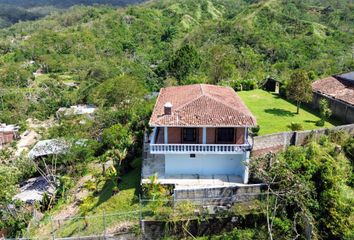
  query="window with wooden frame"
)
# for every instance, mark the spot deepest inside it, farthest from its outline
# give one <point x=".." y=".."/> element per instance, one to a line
<point x="189" y="135"/>
<point x="226" y="135"/>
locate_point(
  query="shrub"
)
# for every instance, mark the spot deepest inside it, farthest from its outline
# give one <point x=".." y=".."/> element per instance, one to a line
<point x="338" y="137"/>
<point x="245" y="85"/>
<point x="320" y="123"/>
<point x="349" y="149"/>
<point x="117" y="136"/>
<point x="325" y="112"/>
<point x="255" y="130"/>
<point x="296" y="126"/>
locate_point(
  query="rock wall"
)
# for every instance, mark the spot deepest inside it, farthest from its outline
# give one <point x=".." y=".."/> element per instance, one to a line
<point x="219" y="196"/>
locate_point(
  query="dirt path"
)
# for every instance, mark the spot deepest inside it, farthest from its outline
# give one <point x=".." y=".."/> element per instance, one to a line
<point x="79" y="193"/>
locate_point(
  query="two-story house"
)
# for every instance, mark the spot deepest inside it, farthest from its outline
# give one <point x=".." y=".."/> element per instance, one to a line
<point x="201" y="130"/>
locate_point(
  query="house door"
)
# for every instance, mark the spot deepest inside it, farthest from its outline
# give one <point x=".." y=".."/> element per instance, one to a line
<point x="189" y="135"/>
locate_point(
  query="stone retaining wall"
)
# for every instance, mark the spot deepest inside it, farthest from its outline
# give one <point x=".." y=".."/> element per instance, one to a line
<point x="219" y="196"/>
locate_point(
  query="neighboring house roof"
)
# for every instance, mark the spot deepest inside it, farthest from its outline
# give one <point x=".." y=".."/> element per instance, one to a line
<point x="8" y="128"/>
<point x="349" y="77"/>
<point x="76" y="110"/>
<point x="48" y="147"/>
<point x="336" y="88"/>
<point x="201" y="105"/>
<point x="34" y="189"/>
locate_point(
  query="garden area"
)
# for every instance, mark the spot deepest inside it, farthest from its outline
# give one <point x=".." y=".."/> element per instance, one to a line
<point x="275" y="114"/>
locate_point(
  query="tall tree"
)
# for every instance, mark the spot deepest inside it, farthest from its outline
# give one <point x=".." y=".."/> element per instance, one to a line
<point x="221" y="64"/>
<point x="299" y="88"/>
<point x="184" y="62"/>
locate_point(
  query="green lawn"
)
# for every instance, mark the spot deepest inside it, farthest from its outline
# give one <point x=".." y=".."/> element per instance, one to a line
<point x="274" y="113"/>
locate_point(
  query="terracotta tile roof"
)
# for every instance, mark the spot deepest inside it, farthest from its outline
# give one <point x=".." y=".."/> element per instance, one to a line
<point x="201" y="105"/>
<point x="335" y="88"/>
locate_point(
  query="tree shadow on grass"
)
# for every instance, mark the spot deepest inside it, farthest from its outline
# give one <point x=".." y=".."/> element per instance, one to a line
<point x="307" y="107"/>
<point x="280" y="112"/>
<point x="310" y="121"/>
<point x="276" y="95"/>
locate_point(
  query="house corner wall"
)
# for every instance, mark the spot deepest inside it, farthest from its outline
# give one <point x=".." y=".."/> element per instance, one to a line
<point x="245" y="176"/>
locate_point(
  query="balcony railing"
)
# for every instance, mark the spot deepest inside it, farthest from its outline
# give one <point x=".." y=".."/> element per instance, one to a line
<point x="199" y="148"/>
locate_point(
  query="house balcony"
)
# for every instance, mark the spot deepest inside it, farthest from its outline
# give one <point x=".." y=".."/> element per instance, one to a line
<point x="199" y="148"/>
<point x="165" y="140"/>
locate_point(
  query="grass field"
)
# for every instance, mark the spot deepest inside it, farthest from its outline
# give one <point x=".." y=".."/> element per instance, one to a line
<point x="274" y="114"/>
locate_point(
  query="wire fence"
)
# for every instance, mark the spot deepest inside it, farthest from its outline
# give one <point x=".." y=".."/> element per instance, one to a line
<point x="105" y="225"/>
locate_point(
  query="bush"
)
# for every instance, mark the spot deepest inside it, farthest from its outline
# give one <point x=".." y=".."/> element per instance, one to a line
<point x="349" y="149"/>
<point x="320" y="123"/>
<point x="338" y="137"/>
<point x="117" y="136"/>
<point x="325" y="112"/>
<point x="255" y="130"/>
<point x="296" y="126"/>
<point x="245" y="85"/>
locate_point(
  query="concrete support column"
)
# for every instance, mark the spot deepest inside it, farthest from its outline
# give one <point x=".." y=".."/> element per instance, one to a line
<point x="165" y="134"/>
<point x="246" y="171"/>
<point x="204" y="135"/>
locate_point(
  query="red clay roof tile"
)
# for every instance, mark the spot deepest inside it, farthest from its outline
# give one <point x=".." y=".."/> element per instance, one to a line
<point x="335" y="88"/>
<point x="201" y="105"/>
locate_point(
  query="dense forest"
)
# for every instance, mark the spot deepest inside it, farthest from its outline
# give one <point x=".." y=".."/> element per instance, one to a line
<point x="66" y="3"/>
<point x="114" y="58"/>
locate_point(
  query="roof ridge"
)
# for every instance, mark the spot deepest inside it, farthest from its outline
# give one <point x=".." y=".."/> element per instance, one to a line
<point x="187" y="103"/>
<point x="226" y="104"/>
<point x="209" y="95"/>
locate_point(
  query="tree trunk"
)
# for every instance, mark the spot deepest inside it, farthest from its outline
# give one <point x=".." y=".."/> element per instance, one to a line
<point x="298" y="107"/>
<point x="104" y="169"/>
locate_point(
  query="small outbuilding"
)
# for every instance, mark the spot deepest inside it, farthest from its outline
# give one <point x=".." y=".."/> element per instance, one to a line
<point x="272" y="85"/>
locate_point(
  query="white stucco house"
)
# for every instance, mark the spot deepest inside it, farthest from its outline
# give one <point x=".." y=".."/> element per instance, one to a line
<point x="200" y="134"/>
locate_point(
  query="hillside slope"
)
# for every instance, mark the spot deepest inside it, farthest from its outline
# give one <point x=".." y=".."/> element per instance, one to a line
<point x="14" y="11"/>
<point x="11" y="14"/>
<point x="66" y="3"/>
<point x="233" y="43"/>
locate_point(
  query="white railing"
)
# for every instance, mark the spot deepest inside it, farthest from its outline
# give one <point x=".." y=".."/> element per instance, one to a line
<point x="198" y="148"/>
